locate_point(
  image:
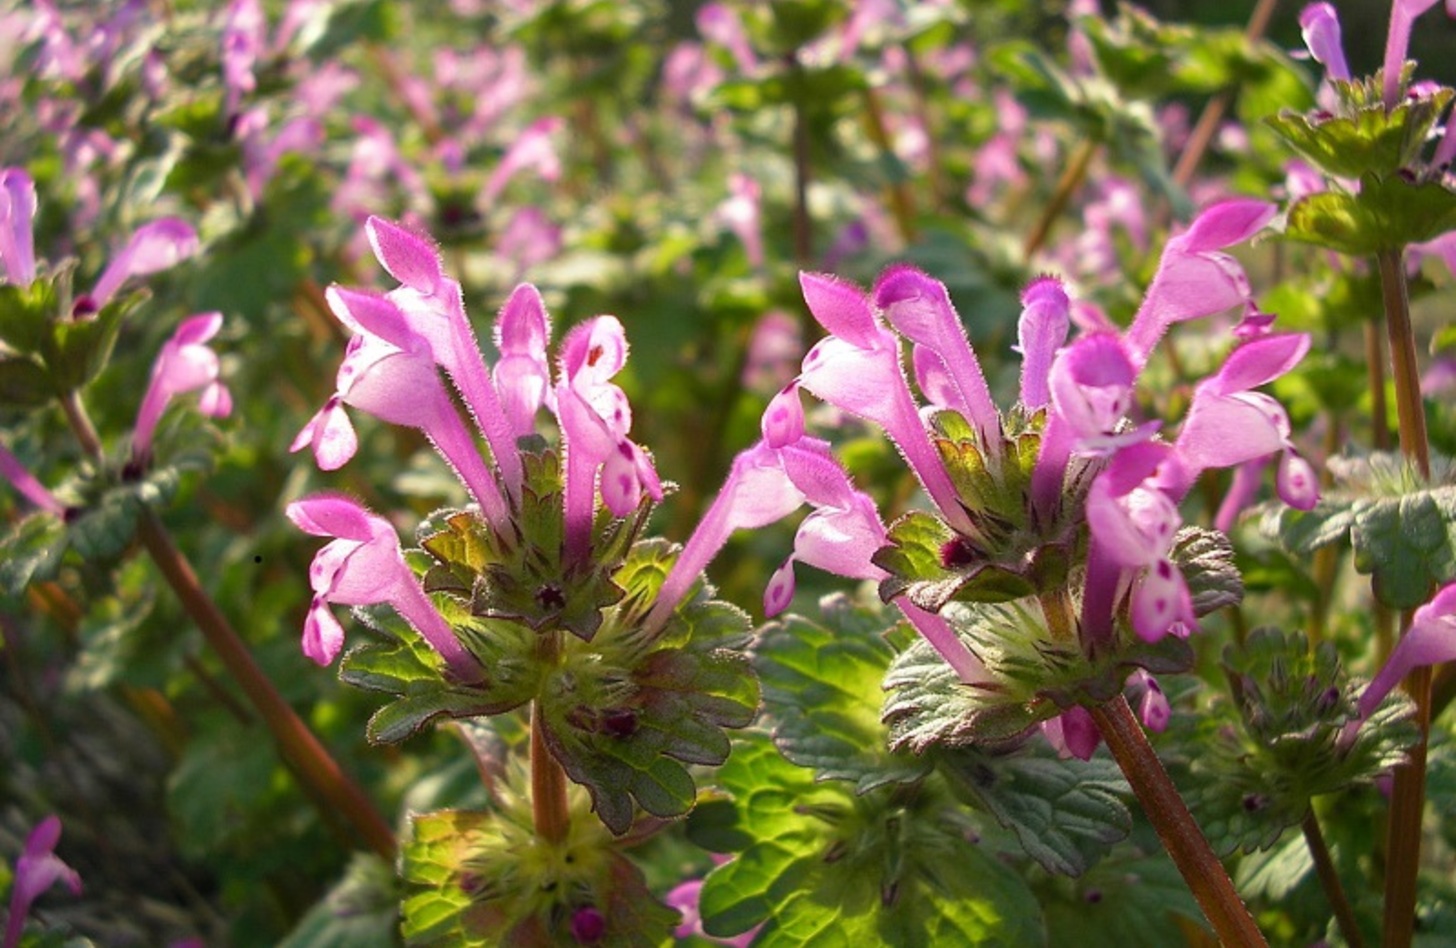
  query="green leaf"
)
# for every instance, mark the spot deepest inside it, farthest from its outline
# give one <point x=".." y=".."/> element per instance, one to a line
<point x="25" y="314"/>
<point x="626" y="712"/>
<point x="1386" y="214"/>
<point x="31" y="552"/>
<point x="1066" y="814"/>
<point x="403" y="664"/>
<point x="105" y="528"/>
<point x="1131" y="900"/>
<point x="77" y="350"/>
<point x="24" y="383"/>
<point x="361" y="911"/>
<point x="821" y="689"/>
<point x="1403" y="528"/>
<point x="1206" y="558"/>
<point x="1364" y="139"/>
<point x="891" y="866"/>
<point x="1032" y="676"/>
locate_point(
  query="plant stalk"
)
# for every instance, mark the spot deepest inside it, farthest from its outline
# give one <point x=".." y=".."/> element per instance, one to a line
<point x="549" y="813"/>
<point x="902" y="204"/>
<point x="1330" y="881"/>
<point x="1067" y="185"/>
<point x="307" y="756"/>
<point x="1208" y="120"/>
<point x="1176" y="827"/>
<point x="1407" y="800"/>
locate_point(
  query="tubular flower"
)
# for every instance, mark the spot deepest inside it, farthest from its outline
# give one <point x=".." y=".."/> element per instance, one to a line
<point x="25" y="482"/>
<point x="389" y="372"/>
<point x="362" y="565"/>
<point x="37" y="869"/>
<point x="595" y="418"/>
<point x="857" y="369"/>
<point x="185" y="364"/>
<point x="523" y="375"/>
<point x="1195" y="278"/>
<point x="17" y="217"/>
<point x="1133" y="522"/>
<point x="1046" y="318"/>
<point x="435" y="310"/>
<point x="154" y="247"/>
<point x="1430" y="640"/>
<point x="1228" y="424"/>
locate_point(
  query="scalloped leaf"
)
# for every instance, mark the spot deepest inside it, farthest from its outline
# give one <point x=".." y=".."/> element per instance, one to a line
<point x="1033" y="677"/>
<point x="626" y="713"/>
<point x="31" y="552"/>
<point x="1365" y="140"/>
<point x="1066" y="814"/>
<point x="1128" y="899"/>
<point x="404" y="665"/>
<point x="890" y="866"/>
<point x="1403" y="529"/>
<point x="480" y="879"/>
<point x="1206" y="558"/>
<point x="1386" y="214"/>
<point x="821" y="688"/>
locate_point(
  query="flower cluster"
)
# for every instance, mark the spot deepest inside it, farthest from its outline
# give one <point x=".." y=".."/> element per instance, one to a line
<point x="1069" y="469"/>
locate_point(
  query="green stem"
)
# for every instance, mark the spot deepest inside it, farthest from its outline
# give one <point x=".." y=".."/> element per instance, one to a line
<point x="1176" y="827"/>
<point x="1330" y="880"/>
<point x="1407" y="799"/>
<point x="1067" y="185"/>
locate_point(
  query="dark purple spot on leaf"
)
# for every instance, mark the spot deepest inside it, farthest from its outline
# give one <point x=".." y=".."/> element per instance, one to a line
<point x="1092" y="896"/>
<point x="958" y="552"/>
<point x="588" y="925"/>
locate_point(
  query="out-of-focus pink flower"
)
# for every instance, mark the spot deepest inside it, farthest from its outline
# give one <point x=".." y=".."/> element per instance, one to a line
<point x="719" y="24"/>
<point x="528" y="239"/>
<point x="17" y="226"/>
<point x="532" y="150"/>
<point x="685" y="898"/>
<point x="243" y="34"/>
<point x="185" y="364"/>
<point x="362" y="565"/>
<point x="1072" y="733"/>
<point x="774" y="349"/>
<point x="159" y="245"/>
<point x="25" y="482"/>
<point x="740" y="214"/>
<point x="37" y="870"/>
<point x="1153" y="707"/>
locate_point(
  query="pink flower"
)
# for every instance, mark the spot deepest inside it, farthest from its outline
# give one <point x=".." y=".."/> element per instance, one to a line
<point x="1403" y="15"/>
<point x="1194" y="277"/>
<point x="1430" y="640"/>
<point x="17" y="216"/>
<point x="1133" y="522"/>
<point x="390" y="373"/>
<point x="531" y="150"/>
<point x="523" y="375"/>
<point x="857" y="369"/>
<point x="740" y="214"/>
<point x="185" y="364"/>
<point x="362" y="565"/>
<point x="37" y="870"/>
<point x="1046" y="318"/>
<point x="1228" y="424"/>
<point x="1320" y="26"/>
<point x="159" y="245"/>
<point x="434" y="309"/>
<point x="595" y="418"/>
<point x="24" y="481"/>
<point x="719" y="24"/>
